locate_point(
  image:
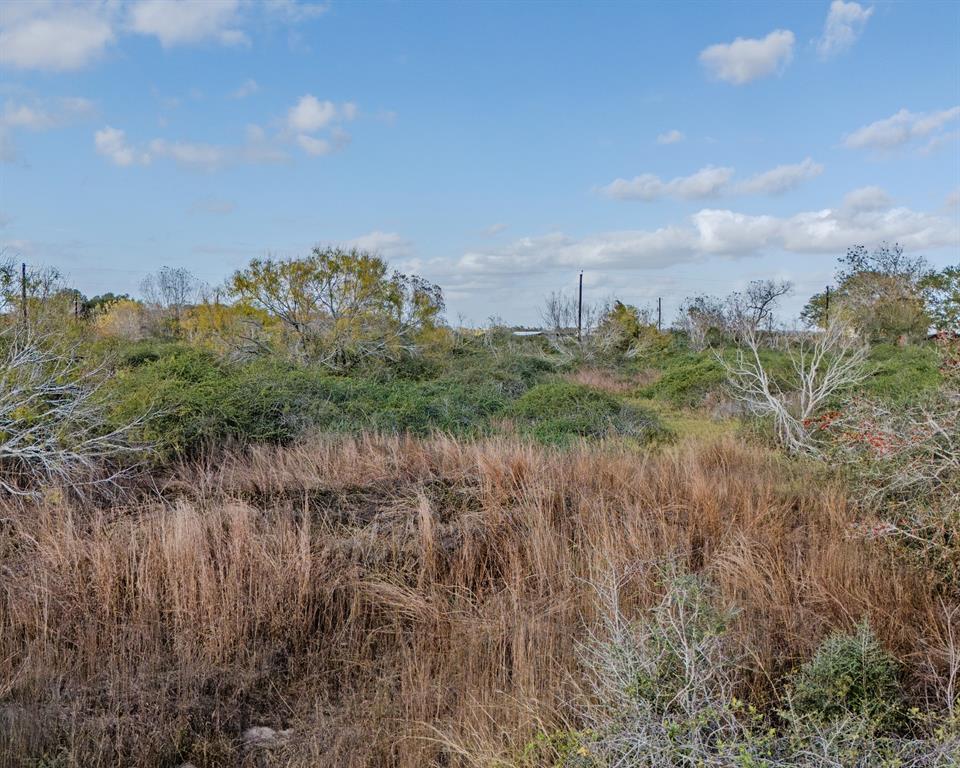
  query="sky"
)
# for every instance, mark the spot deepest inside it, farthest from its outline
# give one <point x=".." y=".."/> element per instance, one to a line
<point x="498" y="149"/>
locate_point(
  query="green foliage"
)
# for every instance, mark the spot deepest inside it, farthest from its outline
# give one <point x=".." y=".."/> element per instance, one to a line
<point x="565" y="748"/>
<point x="559" y="411"/>
<point x="941" y="291"/>
<point x="879" y="292"/>
<point x="197" y="400"/>
<point x="341" y="306"/>
<point x="686" y="378"/>
<point x="851" y="675"/>
<point x="902" y="374"/>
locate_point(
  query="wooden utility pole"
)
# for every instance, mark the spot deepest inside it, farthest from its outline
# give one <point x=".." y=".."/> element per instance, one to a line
<point x="580" y="309"/>
<point x="23" y="291"/>
<point x="659" y="313"/>
<point x="826" y="312"/>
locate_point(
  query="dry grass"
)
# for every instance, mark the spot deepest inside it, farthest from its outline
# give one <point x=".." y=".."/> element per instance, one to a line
<point x="390" y="599"/>
<point x="611" y="381"/>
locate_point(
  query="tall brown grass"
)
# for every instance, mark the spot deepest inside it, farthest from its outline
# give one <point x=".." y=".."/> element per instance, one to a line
<point x="407" y="603"/>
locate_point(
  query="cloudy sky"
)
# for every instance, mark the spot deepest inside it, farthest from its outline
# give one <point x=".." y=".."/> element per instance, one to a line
<point x="497" y="148"/>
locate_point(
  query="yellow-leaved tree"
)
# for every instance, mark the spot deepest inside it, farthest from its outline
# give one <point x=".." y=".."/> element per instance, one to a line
<point x="340" y="306"/>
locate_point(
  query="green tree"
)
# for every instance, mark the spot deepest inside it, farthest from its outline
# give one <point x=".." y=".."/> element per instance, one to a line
<point x="340" y="306"/>
<point x="941" y="292"/>
<point x="879" y="292"/>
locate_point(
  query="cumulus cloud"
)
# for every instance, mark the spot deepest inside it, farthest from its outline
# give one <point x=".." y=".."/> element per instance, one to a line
<point x="670" y="137"/>
<point x="390" y="245"/>
<point x="867" y="199"/>
<point x="62" y="35"/>
<point x="780" y="179"/>
<point x="747" y="59"/>
<point x="54" y="36"/>
<point x="310" y="115"/>
<point x="295" y="12"/>
<point x="314" y="146"/>
<point x="900" y="128"/>
<point x="844" y="25"/>
<point x="112" y="144"/>
<point x="707" y="182"/>
<point x="37" y="115"/>
<point x="300" y="126"/>
<point x="720" y="232"/>
<point x="191" y="21"/>
<point x="711" y="182"/>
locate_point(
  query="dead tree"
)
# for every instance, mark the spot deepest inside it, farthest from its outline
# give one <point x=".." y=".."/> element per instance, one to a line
<point x="53" y="420"/>
<point x="822" y="364"/>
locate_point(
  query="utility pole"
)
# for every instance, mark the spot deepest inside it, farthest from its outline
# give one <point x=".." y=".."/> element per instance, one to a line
<point x="826" y="312"/>
<point x="659" y="313"/>
<point x="580" y="309"/>
<point x="23" y="291"/>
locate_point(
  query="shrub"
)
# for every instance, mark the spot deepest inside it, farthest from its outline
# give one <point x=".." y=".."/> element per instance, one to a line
<point x="687" y="378"/>
<point x="850" y="676"/>
<point x="902" y="374"/>
<point x="559" y="411"/>
<point x="196" y="399"/>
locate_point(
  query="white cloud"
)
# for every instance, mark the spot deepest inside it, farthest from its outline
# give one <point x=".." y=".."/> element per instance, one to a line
<point x="54" y="37"/>
<point x="112" y="144"/>
<point x="294" y="12"/>
<point x="188" y="21"/>
<point x="707" y="182"/>
<point x="42" y="115"/>
<point x="670" y="137"/>
<point x="712" y="181"/>
<point x="248" y="88"/>
<point x="314" y="146"/>
<point x="844" y="25"/>
<point x="62" y="35"/>
<point x="900" y="128"/>
<point x="712" y="232"/>
<point x="867" y="199"/>
<point x="390" y="245"/>
<point x="953" y="199"/>
<point x="37" y="115"/>
<point x="310" y="114"/>
<point x="204" y="157"/>
<point x="747" y="59"/>
<point x="780" y="179"/>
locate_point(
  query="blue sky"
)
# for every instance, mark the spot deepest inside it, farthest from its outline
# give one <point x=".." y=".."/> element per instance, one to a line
<point x="667" y="149"/>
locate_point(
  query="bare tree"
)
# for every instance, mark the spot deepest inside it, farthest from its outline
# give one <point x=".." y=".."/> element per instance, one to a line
<point x="822" y="364"/>
<point x="52" y="419"/>
<point x="754" y="307"/>
<point x="560" y="314"/>
<point x="698" y="316"/>
<point x="171" y="289"/>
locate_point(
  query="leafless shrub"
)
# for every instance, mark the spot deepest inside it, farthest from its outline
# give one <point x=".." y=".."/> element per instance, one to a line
<point x="52" y="419"/>
<point x="822" y="364"/>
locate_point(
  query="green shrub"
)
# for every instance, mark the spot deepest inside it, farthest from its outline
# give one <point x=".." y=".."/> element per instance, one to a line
<point x="687" y="378"/>
<point x="902" y="374"/>
<point x="851" y="675"/>
<point x="195" y="399"/>
<point x="560" y="411"/>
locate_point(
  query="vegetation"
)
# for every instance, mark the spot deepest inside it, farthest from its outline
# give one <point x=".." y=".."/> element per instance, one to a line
<point x="299" y="520"/>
